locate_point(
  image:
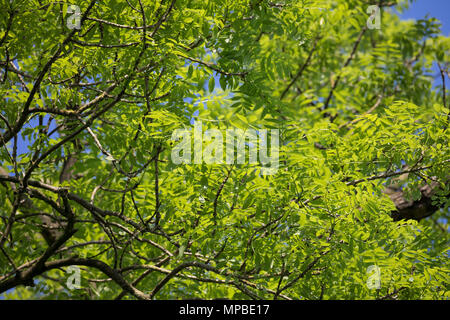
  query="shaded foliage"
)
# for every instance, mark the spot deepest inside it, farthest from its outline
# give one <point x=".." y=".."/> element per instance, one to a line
<point x="357" y="111"/>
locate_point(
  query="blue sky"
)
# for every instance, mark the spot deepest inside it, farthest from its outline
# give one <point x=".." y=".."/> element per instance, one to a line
<point x="439" y="9"/>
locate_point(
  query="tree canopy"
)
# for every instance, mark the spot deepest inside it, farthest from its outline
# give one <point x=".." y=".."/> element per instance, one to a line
<point x="92" y="92"/>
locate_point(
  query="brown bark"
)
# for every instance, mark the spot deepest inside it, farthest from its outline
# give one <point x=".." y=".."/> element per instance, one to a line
<point x="414" y="209"/>
<point x="50" y="229"/>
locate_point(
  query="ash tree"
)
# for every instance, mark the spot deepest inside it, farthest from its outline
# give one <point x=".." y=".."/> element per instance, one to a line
<point x="92" y="92"/>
